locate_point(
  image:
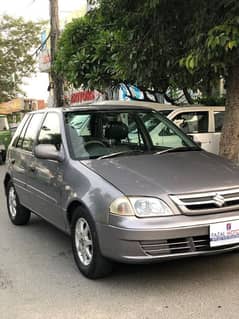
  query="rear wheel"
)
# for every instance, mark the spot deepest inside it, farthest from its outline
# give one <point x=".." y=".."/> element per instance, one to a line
<point x="85" y="246"/>
<point x="18" y="214"/>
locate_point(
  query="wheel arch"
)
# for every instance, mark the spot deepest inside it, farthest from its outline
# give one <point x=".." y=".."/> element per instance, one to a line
<point x="72" y="207"/>
<point x="6" y="181"/>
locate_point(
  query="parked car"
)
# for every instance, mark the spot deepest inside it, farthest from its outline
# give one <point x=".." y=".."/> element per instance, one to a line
<point x="126" y="183"/>
<point x="5" y="137"/>
<point x="202" y="123"/>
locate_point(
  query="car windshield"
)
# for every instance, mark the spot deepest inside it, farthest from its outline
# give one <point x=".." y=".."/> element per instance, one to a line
<point x="105" y="134"/>
<point x="3" y="124"/>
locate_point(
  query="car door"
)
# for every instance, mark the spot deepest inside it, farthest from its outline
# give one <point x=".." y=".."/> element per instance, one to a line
<point x="196" y="124"/>
<point x="44" y="180"/>
<point x="17" y="164"/>
<point x="24" y="158"/>
<point x="217" y="119"/>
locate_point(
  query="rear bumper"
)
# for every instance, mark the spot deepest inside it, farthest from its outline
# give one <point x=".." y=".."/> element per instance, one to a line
<point x="181" y="236"/>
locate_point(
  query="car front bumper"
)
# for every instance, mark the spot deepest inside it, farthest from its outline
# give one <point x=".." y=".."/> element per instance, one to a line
<point x="133" y="240"/>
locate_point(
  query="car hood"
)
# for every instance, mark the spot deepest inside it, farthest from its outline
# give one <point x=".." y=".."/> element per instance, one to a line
<point x="171" y="173"/>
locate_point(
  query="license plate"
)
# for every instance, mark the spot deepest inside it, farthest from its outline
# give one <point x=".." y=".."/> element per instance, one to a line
<point x="226" y="233"/>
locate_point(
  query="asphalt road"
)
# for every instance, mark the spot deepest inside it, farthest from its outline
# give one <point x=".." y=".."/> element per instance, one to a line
<point x="38" y="279"/>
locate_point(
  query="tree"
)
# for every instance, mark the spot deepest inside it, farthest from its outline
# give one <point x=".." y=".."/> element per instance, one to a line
<point x="18" y="42"/>
<point x="213" y="51"/>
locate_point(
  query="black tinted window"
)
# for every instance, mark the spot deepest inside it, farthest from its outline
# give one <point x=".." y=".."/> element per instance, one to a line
<point x="218" y="116"/>
<point x="50" y="131"/>
<point x="31" y="131"/>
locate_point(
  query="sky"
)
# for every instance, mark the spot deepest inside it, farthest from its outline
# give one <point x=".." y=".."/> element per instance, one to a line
<point x="36" y="87"/>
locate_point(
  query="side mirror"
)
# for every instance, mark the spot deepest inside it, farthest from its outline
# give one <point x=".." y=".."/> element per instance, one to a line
<point x="48" y="151"/>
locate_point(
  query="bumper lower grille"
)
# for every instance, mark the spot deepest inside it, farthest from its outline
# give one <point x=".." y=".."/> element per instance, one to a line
<point x="177" y="246"/>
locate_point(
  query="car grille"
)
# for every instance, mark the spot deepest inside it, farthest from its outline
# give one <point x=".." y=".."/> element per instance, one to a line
<point x="178" y="246"/>
<point x="207" y="203"/>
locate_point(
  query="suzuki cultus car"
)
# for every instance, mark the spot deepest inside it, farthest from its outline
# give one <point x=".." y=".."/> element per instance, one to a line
<point x="125" y="183"/>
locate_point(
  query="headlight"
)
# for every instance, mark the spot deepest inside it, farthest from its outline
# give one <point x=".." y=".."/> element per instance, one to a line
<point x="140" y="207"/>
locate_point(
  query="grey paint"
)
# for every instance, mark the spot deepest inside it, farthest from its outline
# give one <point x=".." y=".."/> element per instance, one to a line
<point x="170" y="173"/>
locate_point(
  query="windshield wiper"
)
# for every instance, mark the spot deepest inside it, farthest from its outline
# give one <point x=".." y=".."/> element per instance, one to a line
<point x="119" y="154"/>
<point x="178" y="149"/>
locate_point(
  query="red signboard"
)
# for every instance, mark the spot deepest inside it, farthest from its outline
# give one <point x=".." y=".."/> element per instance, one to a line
<point x="83" y="96"/>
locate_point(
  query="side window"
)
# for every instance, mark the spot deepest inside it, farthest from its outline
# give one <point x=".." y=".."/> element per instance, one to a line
<point x="50" y="131"/>
<point x="20" y="131"/>
<point x="192" y="122"/>
<point x="218" y="116"/>
<point x="31" y="131"/>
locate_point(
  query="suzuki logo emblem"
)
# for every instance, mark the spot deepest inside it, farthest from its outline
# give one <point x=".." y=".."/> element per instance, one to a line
<point x="219" y="200"/>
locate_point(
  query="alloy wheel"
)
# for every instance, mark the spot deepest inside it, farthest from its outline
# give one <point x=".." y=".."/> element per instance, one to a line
<point x="12" y="202"/>
<point x="83" y="241"/>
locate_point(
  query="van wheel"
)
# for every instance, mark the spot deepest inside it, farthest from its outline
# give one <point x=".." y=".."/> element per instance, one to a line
<point x="85" y="246"/>
<point x="18" y="214"/>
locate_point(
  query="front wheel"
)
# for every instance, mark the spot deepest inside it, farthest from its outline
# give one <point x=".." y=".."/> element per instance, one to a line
<point x="85" y="246"/>
<point x="18" y="214"/>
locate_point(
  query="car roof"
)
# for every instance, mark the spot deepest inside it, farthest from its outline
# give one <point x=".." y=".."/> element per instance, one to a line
<point x="107" y="105"/>
<point x="128" y="105"/>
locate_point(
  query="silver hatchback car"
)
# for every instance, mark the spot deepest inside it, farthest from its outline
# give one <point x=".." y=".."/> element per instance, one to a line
<point x="125" y="183"/>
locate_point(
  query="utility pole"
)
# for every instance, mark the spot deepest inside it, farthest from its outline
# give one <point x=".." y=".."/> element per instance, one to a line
<point x="56" y="80"/>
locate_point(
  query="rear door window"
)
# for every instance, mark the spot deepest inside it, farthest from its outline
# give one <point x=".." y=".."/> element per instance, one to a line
<point x="31" y="131"/>
<point x="192" y="122"/>
<point x="20" y="131"/>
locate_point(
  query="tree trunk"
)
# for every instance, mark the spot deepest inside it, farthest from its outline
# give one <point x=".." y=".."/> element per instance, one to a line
<point x="229" y="144"/>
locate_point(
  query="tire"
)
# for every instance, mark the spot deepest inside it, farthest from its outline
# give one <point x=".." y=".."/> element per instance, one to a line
<point x="85" y="246"/>
<point x="18" y="214"/>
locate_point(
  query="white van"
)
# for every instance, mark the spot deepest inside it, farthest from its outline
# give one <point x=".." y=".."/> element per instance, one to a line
<point x="203" y="123"/>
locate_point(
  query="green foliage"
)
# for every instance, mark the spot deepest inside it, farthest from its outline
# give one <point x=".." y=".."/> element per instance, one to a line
<point x="155" y="44"/>
<point x="85" y="55"/>
<point x="18" y="40"/>
<point x="213" y="40"/>
<point x="212" y="100"/>
<point x="101" y="50"/>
